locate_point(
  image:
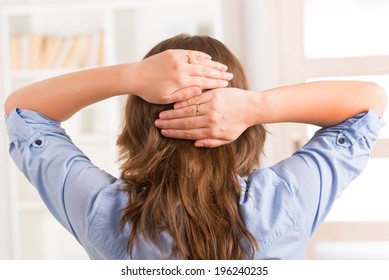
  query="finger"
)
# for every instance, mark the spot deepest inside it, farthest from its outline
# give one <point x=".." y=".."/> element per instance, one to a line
<point x="182" y="123"/>
<point x="186" y="103"/>
<point x="199" y="54"/>
<point x="182" y="94"/>
<point x="209" y="72"/>
<point x="210" y="143"/>
<point x="208" y="83"/>
<point x="204" y="98"/>
<point x="194" y="110"/>
<point x="196" y="57"/>
<point x="190" y="134"/>
<point x="213" y="64"/>
<point x="189" y="111"/>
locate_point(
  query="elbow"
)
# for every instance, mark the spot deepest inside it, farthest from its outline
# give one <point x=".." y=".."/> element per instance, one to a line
<point x="379" y="98"/>
<point x="9" y="105"/>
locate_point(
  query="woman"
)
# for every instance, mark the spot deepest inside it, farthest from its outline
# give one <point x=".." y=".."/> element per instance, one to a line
<point x="174" y="199"/>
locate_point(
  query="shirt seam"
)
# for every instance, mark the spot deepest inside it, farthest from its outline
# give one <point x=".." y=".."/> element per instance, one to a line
<point x="296" y="223"/>
<point x="93" y="238"/>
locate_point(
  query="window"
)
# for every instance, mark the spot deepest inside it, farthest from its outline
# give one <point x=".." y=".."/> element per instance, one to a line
<point x="344" y="39"/>
<point x="346" y="28"/>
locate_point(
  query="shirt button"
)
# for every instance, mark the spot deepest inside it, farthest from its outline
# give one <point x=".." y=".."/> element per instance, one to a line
<point x="38" y="142"/>
<point x="341" y="140"/>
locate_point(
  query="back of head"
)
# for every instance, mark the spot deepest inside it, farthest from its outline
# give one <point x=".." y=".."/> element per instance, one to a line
<point x="192" y="193"/>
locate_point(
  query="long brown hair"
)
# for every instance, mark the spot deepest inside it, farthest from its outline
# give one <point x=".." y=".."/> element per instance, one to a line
<point x="191" y="193"/>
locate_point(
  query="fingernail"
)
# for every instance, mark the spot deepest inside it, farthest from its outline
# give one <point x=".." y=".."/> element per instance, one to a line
<point x="229" y="75"/>
<point x="177" y="106"/>
<point x="162" y="115"/>
<point x="199" y="145"/>
<point x="158" y="122"/>
<point x="196" y="91"/>
<point x="224" y="83"/>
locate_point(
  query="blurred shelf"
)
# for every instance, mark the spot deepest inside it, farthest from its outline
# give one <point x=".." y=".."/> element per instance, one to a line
<point x="128" y="28"/>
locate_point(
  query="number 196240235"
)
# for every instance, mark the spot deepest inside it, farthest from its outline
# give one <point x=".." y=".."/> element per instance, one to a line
<point x="258" y="270"/>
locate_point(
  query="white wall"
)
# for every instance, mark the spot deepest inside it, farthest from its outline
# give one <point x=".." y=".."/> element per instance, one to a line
<point x="250" y="31"/>
<point x="260" y="43"/>
<point x="232" y="26"/>
<point x="5" y="232"/>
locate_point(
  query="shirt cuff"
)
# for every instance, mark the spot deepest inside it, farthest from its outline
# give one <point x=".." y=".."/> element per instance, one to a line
<point x="23" y="125"/>
<point x="365" y="126"/>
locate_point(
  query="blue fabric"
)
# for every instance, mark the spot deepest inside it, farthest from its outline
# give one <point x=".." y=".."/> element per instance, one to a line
<point x="281" y="206"/>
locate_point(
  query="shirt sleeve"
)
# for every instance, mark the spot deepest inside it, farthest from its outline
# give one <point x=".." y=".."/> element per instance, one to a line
<point x="68" y="183"/>
<point x="319" y="172"/>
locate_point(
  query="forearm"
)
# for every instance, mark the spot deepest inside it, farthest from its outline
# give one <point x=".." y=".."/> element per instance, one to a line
<point x="60" y="97"/>
<point x="163" y="78"/>
<point x="220" y="116"/>
<point x="320" y="103"/>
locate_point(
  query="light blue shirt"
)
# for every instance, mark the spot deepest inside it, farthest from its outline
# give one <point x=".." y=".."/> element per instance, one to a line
<point x="281" y="206"/>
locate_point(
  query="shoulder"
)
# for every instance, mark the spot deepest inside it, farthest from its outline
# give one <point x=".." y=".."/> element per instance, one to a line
<point x="288" y="201"/>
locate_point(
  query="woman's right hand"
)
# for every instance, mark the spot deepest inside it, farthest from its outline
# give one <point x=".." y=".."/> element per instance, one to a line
<point x="159" y="78"/>
<point x="216" y="117"/>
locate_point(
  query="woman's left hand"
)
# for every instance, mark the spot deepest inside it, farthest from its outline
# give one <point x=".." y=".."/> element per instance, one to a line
<point x="216" y="117"/>
<point x="159" y="78"/>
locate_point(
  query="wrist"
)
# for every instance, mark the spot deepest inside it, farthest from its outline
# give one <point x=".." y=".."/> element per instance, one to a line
<point x="255" y="108"/>
<point x="128" y="78"/>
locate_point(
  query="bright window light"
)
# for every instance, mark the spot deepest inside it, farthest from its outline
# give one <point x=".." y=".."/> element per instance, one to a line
<point x="366" y="199"/>
<point x="346" y="28"/>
